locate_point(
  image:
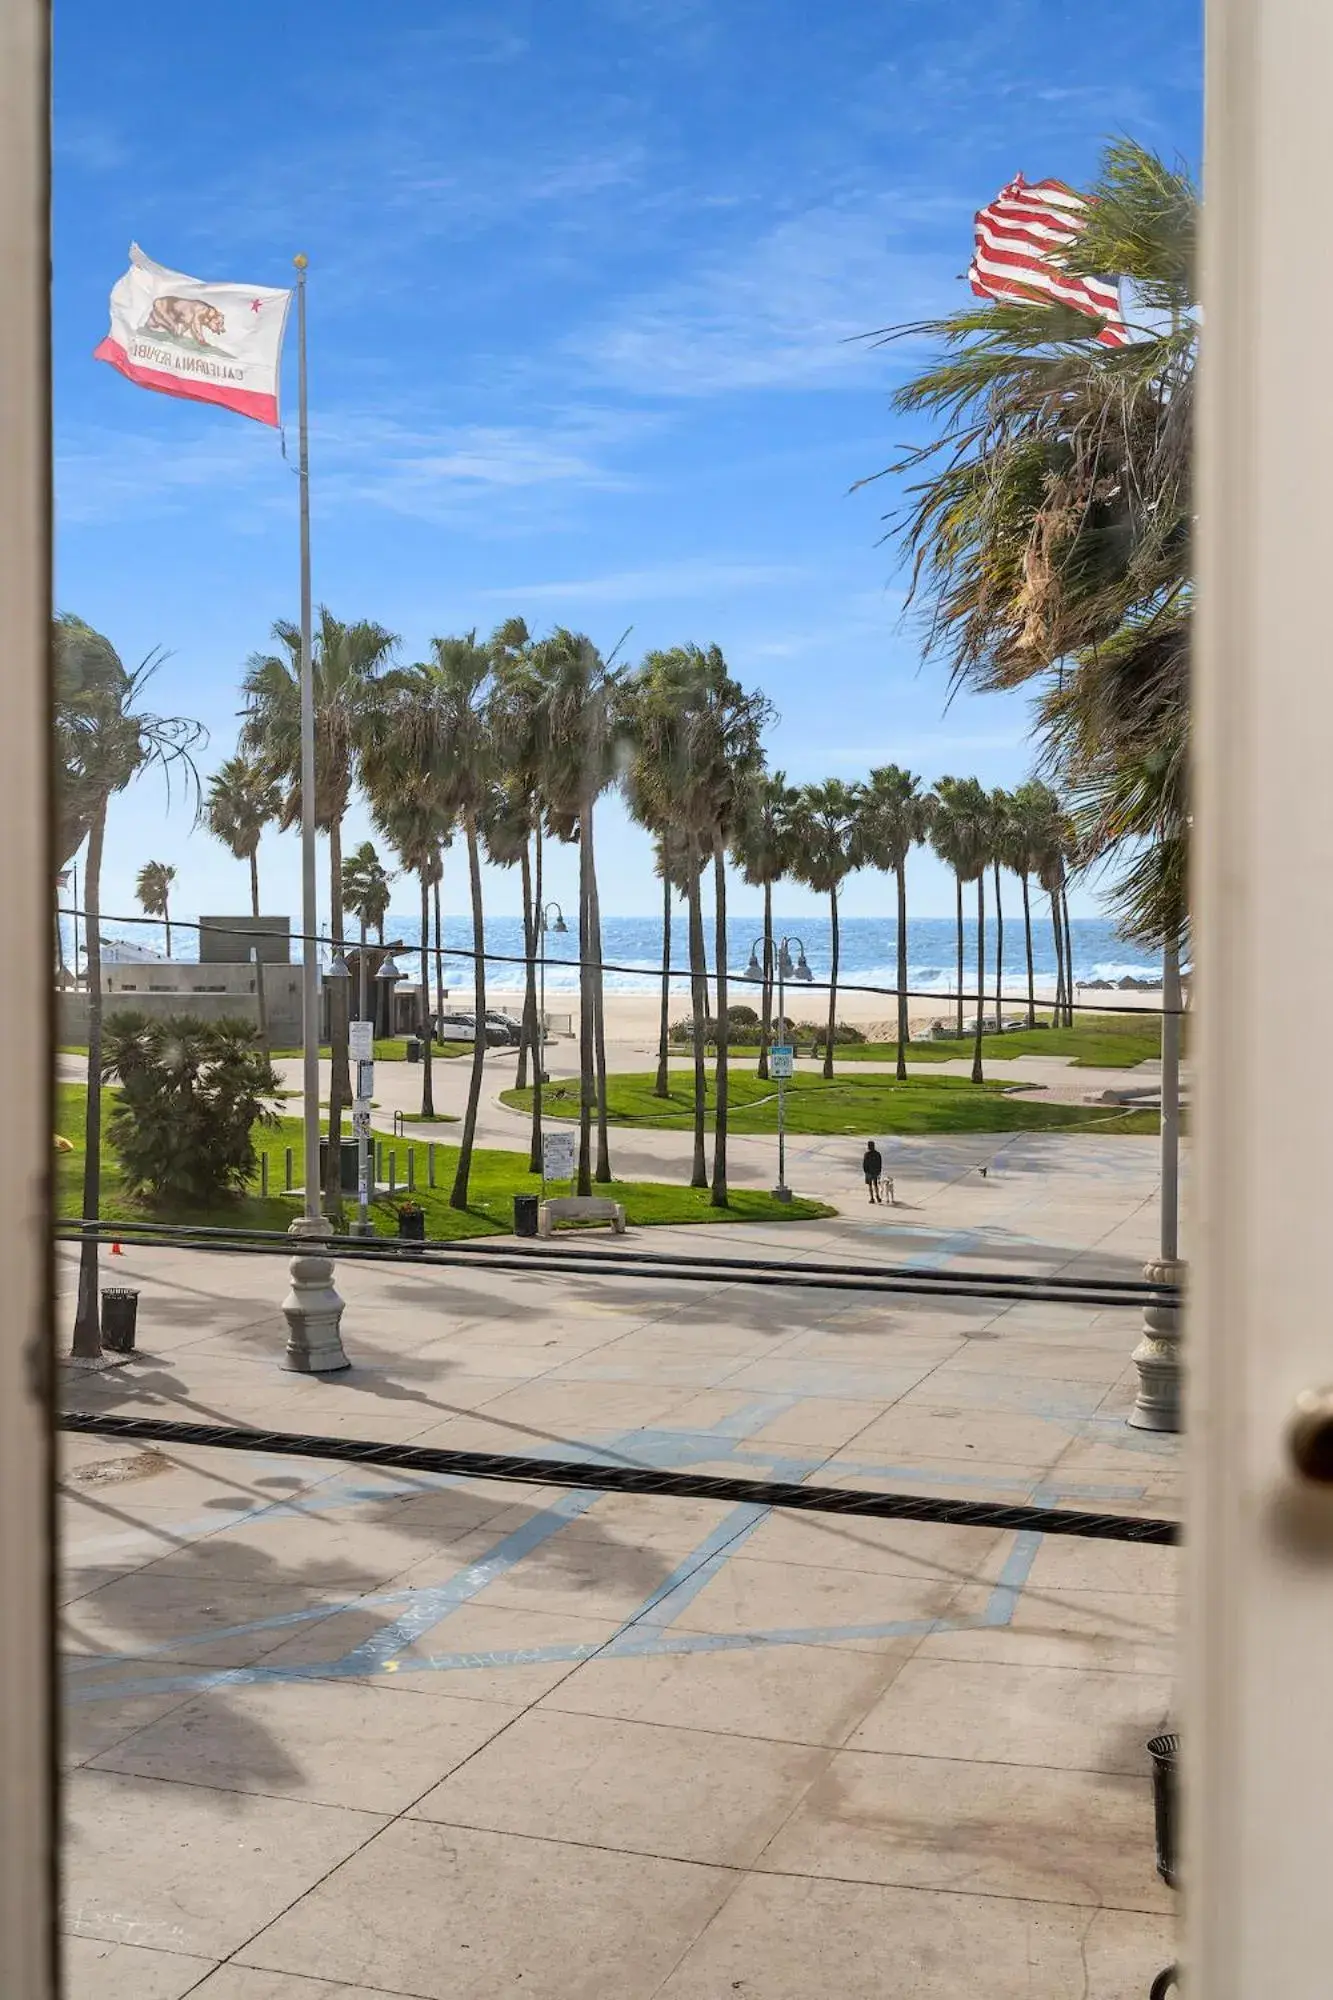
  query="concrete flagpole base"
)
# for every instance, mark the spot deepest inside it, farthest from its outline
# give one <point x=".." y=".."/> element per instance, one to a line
<point x="1157" y="1356"/>
<point x="313" y="1309"/>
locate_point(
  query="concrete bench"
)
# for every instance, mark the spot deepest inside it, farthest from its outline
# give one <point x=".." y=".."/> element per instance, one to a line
<point x="580" y="1208"/>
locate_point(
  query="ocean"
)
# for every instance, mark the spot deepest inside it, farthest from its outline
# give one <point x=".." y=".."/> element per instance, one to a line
<point x="632" y="950"/>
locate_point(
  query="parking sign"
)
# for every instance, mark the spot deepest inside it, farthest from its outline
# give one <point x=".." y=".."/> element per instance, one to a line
<point x="781" y="1062"/>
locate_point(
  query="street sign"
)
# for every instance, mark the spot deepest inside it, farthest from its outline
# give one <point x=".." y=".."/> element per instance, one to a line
<point x="781" y="1062"/>
<point x="557" y="1156"/>
<point x="361" y="1041"/>
<point x="361" y="1122"/>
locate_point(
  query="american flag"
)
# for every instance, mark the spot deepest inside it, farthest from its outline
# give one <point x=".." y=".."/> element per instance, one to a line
<point x="1019" y="239"/>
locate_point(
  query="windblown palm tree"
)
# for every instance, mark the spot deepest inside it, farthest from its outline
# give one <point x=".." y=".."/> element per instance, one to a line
<point x="242" y="800"/>
<point x="761" y="847"/>
<point x="346" y="661"/>
<point x="1033" y="812"/>
<point x="1050" y="524"/>
<point x="102" y="741"/>
<point x="580" y="733"/>
<point x="892" y="817"/>
<point x="962" y="833"/>
<point x="153" y="889"/>
<point x="823" y="828"/>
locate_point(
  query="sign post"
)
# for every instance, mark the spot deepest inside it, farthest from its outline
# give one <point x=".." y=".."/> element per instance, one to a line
<point x="361" y="1049"/>
<point x="557" y="1158"/>
<point x="781" y="1062"/>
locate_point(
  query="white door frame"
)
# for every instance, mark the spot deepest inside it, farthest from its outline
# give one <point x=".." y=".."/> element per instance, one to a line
<point x="27" y="1784"/>
<point x="1258" y="1707"/>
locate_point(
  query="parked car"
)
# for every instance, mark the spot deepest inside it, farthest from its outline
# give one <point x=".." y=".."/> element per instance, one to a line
<point x="462" y="1027"/>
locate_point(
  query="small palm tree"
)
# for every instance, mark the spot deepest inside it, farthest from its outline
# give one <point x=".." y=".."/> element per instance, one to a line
<point x="102" y="741"/>
<point x="823" y="827"/>
<point x="242" y="800"/>
<point x="153" y="889"/>
<point x="892" y="817"/>
<point x="761" y="847"/>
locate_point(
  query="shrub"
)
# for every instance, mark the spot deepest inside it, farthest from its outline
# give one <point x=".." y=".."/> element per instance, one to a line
<point x="743" y="1024"/>
<point x="816" y="1032"/>
<point x="191" y="1094"/>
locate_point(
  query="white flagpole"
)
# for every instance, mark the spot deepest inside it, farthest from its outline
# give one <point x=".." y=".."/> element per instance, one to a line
<point x="313" y="1309"/>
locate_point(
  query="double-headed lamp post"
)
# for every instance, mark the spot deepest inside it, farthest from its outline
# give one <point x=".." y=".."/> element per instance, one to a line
<point x="545" y="922"/>
<point x="777" y="955"/>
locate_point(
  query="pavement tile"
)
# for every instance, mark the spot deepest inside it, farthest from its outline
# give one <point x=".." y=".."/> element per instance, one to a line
<point x="820" y="1606"/>
<point x="204" y="1622"/>
<point x="449" y="1913"/>
<point x="989" y="1829"/>
<point x="787" y="1938"/>
<point x="187" y="1869"/>
<point x="97" y="1970"/>
<point x="1005" y="1713"/>
<point x="293" y="1740"/>
<point x="241" y="1982"/>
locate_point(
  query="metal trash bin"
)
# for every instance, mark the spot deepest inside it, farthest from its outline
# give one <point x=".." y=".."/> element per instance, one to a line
<point x="525" y="1215"/>
<point x="1164" y="1751"/>
<point x="120" y="1313"/>
<point x="413" y="1047"/>
<point x="348" y="1181"/>
<point x="412" y="1225"/>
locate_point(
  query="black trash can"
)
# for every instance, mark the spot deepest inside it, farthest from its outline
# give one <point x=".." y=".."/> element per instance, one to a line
<point x="412" y="1225"/>
<point x="1164" y="1751"/>
<point x="347" y="1164"/>
<point x="525" y="1215"/>
<point x="120" y="1313"/>
<point x="414" y="1048"/>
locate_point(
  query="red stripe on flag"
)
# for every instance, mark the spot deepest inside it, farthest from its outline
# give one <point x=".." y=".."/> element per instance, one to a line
<point x="245" y="402"/>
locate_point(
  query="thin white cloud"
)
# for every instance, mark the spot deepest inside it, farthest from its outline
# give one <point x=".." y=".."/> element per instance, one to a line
<point x="664" y="584"/>
<point x="788" y="311"/>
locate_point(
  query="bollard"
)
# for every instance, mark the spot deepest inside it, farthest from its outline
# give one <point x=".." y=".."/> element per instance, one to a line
<point x="430" y="1164"/>
<point x="290" y="1182"/>
<point x="379" y="1160"/>
<point x="393" y="1172"/>
<point x="411" y="1170"/>
<point x="263" y="1175"/>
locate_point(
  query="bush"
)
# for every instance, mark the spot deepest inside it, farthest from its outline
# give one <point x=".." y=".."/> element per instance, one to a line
<point x="816" y="1033"/>
<point x="191" y="1093"/>
<point x="743" y="1025"/>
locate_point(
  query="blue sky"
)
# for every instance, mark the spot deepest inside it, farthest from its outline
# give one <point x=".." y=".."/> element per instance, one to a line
<point x="586" y="282"/>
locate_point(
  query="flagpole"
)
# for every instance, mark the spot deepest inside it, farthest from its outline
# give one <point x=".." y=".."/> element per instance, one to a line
<point x="313" y="1309"/>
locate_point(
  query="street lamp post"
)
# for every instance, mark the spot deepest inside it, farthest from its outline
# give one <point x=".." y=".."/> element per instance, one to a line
<point x="1157" y="1356"/>
<point x="780" y="1057"/>
<point x="559" y="926"/>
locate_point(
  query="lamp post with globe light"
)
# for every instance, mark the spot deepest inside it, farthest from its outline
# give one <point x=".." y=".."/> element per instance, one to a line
<point x="777" y="954"/>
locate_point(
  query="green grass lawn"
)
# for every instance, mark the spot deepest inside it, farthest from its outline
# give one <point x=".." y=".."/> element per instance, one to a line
<point x="496" y="1178"/>
<point x="392" y="1050"/>
<point x="866" y="1106"/>
<point x="1100" y="1041"/>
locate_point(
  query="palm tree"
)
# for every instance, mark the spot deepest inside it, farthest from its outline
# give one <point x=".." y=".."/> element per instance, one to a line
<point x="513" y="723"/>
<point x="673" y="857"/>
<point x="962" y="831"/>
<point x="1032" y="810"/>
<point x="1050" y="525"/>
<point x="404" y="812"/>
<point x="346" y="661"/>
<point x="1001" y="811"/>
<point x="761" y="847"/>
<point x="893" y="817"/>
<point x="507" y="819"/>
<point x="242" y="800"/>
<point x="153" y="889"/>
<point x="823" y="827"/>
<point x="366" y="895"/>
<point x="579" y="730"/>
<point x="102" y="741"/>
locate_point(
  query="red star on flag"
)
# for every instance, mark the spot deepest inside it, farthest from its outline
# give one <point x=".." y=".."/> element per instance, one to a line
<point x="256" y="305"/>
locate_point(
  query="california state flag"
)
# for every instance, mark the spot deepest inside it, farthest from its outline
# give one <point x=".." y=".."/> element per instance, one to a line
<point x="214" y="343"/>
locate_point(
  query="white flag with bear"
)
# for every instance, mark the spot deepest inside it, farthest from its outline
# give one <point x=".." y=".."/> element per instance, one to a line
<point x="213" y="343"/>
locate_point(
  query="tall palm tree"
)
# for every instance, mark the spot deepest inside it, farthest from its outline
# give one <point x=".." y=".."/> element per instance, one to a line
<point x="893" y="817"/>
<point x="1001" y="814"/>
<point x="102" y="741"/>
<point x="823" y="827"/>
<point x="1033" y="809"/>
<point x="972" y="834"/>
<point x="514" y="729"/>
<point x="346" y="661"/>
<point x="673" y="859"/>
<point x="507" y="820"/>
<point x="580" y="728"/>
<point x="153" y="889"/>
<point x="242" y="800"/>
<point x="1050" y="523"/>
<point x="366" y="895"/>
<point x="947" y="840"/>
<point x="404" y="811"/>
<point x="761" y="847"/>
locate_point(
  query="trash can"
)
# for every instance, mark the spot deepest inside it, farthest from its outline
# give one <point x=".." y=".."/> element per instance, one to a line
<point x="525" y="1215"/>
<point x="412" y="1225"/>
<point x="120" y="1312"/>
<point x="1164" y="1751"/>
<point x="414" y="1048"/>
<point x="348" y="1181"/>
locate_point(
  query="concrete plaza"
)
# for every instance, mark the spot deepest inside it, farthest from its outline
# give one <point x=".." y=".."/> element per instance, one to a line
<point x="341" y="1732"/>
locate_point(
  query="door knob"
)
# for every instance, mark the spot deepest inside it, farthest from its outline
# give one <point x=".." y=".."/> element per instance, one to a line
<point x="1310" y="1435"/>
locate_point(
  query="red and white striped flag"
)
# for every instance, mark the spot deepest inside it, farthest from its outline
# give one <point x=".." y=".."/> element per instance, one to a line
<point x="1019" y="239"/>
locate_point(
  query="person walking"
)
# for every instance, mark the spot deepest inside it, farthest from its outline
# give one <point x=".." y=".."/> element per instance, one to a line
<point x="872" y="1166"/>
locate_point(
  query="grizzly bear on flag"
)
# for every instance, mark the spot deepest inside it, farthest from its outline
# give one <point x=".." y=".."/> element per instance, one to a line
<point x="188" y="319"/>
